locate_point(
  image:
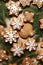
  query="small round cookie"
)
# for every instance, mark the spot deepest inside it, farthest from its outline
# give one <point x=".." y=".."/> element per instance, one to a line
<point x="26" y="31"/>
<point x="28" y="61"/>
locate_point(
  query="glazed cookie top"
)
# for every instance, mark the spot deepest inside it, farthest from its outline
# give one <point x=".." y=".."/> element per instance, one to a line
<point x="25" y="2"/>
<point x="39" y="3"/>
<point x="18" y="48"/>
<point x="13" y="7"/>
<point x="26" y="31"/>
<point x="28" y="61"/>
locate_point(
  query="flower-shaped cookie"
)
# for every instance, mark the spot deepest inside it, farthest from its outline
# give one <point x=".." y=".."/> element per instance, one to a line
<point x="16" y="23"/>
<point x="29" y="16"/>
<point x="17" y="49"/>
<point x="25" y="2"/>
<point x="41" y="23"/>
<point x="31" y="44"/>
<point x="26" y="31"/>
<point x="10" y="35"/>
<point x="40" y="51"/>
<point x="3" y="55"/>
<point x="28" y="61"/>
<point x="1" y="30"/>
<point x="14" y="7"/>
<point x="39" y="3"/>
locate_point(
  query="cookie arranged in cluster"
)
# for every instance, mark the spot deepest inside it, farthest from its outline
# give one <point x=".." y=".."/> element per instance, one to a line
<point x="31" y="44"/>
<point x="10" y="35"/>
<point x="26" y="31"/>
<point x="21" y="26"/>
<point x="13" y="7"/>
<point x="18" y="48"/>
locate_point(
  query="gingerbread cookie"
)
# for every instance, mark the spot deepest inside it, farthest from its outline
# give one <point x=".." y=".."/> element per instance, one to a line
<point x="25" y="2"/>
<point x="16" y="23"/>
<point x="39" y="3"/>
<point x="29" y="16"/>
<point x="40" y="51"/>
<point x="28" y="61"/>
<point x="13" y="7"/>
<point x="3" y="55"/>
<point x="26" y="31"/>
<point x="10" y="35"/>
<point x="31" y="44"/>
<point x="18" y="48"/>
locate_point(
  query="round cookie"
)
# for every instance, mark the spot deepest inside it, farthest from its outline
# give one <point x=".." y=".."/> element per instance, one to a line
<point x="26" y="31"/>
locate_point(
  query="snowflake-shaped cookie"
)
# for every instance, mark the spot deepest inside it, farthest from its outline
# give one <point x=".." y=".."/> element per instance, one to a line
<point x="41" y="23"/>
<point x="39" y="3"/>
<point x="3" y="55"/>
<point x="29" y="16"/>
<point x="31" y="44"/>
<point x="10" y="35"/>
<point x="17" y="49"/>
<point x="25" y="2"/>
<point x="13" y="7"/>
<point x="16" y="23"/>
<point x="40" y="51"/>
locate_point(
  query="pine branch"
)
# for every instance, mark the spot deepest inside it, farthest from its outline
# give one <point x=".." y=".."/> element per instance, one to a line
<point x="3" y="13"/>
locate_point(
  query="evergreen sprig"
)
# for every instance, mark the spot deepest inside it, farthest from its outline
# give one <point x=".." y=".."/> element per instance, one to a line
<point x="3" y="13"/>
